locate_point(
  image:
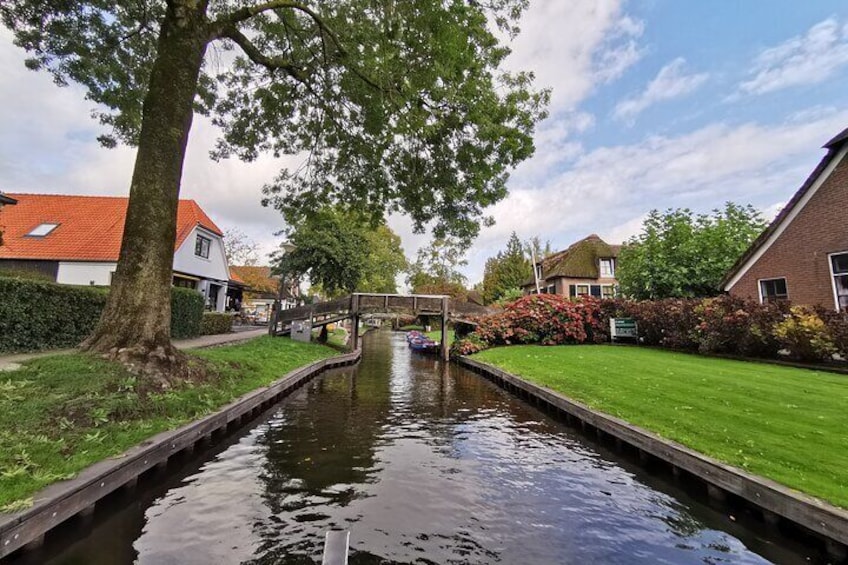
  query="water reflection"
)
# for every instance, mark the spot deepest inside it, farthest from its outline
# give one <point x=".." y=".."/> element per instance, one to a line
<point x="424" y="463"/>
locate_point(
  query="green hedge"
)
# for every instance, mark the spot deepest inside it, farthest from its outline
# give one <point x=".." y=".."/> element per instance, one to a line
<point x="37" y="315"/>
<point x="186" y="312"/>
<point x="216" y="323"/>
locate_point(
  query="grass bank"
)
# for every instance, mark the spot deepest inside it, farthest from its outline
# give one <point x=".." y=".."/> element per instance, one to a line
<point x="437" y="336"/>
<point x="787" y="424"/>
<point x="62" y="413"/>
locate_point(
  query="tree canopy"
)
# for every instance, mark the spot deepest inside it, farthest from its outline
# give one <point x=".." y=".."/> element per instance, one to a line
<point x="680" y="254"/>
<point x="393" y="106"/>
<point x="342" y="252"/>
<point x="436" y="269"/>
<point x="506" y="272"/>
<point x="239" y="248"/>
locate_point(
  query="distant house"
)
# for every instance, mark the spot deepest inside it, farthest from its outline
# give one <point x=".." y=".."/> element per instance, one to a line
<point x="803" y="255"/>
<point x="77" y="240"/>
<point x="586" y="268"/>
<point x="262" y="289"/>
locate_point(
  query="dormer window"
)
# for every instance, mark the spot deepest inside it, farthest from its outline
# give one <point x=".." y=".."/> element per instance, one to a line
<point x="607" y="268"/>
<point x="201" y="246"/>
<point x="538" y="271"/>
<point x="42" y="230"/>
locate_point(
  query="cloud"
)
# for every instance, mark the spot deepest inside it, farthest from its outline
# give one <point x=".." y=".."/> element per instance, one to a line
<point x="608" y="189"/>
<point x="806" y="59"/>
<point x="671" y="82"/>
<point x="575" y="46"/>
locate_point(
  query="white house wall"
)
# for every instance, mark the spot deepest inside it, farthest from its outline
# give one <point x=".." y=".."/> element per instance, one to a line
<point x="185" y="261"/>
<point x="85" y="273"/>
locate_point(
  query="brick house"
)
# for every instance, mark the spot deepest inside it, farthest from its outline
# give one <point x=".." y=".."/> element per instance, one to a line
<point x="77" y="239"/>
<point x="586" y="268"/>
<point x="803" y="254"/>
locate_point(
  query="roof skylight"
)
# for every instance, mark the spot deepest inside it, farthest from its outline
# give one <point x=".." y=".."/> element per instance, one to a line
<point x="42" y="230"/>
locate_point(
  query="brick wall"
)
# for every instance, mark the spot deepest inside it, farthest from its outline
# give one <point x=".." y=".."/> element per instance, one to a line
<point x="800" y="254"/>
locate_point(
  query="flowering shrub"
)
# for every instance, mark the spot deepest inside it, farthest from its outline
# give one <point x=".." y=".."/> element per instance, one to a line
<point x="805" y="335"/>
<point x="837" y="329"/>
<point x="667" y="323"/>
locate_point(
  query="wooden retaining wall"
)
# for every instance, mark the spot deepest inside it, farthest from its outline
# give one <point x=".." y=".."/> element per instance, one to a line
<point x="62" y="501"/>
<point x="775" y="501"/>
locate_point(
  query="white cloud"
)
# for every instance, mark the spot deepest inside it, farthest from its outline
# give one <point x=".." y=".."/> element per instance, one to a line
<point x="671" y="82"/>
<point x="802" y="60"/>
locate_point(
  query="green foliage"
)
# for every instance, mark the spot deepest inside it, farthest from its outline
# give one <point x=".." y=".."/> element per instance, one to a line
<point x="436" y="270"/>
<point x="343" y="252"/>
<point x="805" y="335"/>
<point x="37" y="315"/>
<point x="214" y="323"/>
<point x="506" y="272"/>
<point x="62" y="413"/>
<point x="186" y="312"/>
<point x="399" y="105"/>
<point x="783" y="423"/>
<point x="681" y="255"/>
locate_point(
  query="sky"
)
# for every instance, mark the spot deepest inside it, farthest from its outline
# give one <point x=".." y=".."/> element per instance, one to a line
<point x="655" y="104"/>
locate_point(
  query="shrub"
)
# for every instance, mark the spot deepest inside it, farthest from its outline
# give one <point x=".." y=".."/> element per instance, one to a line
<point x="37" y="315"/>
<point x="667" y="323"/>
<point x="837" y="329"/>
<point x="805" y="335"/>
<point x="738" y="326"/>
<point x="468" y="346"/>
<point x="216" y="323"/>
<point x="186" y="313"/>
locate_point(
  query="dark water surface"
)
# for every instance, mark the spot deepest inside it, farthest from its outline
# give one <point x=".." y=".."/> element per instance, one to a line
<point x="423" y="464"/>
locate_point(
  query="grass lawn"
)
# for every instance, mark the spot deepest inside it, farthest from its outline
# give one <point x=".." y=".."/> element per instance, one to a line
<point x="437" y="335"/>
<point x="60" y="414"/>
<point x="787" y="424"/>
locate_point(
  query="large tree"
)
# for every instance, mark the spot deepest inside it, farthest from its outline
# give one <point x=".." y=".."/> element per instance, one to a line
<point x="507" y="271"/>
<point x="437" y="269"/>
<point x="679" y="254"/>
<point x="343" y="252"/>
<point x="395" y="106"/>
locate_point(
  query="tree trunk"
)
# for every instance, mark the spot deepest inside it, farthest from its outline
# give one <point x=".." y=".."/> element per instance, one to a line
<point x="136" y="324"/>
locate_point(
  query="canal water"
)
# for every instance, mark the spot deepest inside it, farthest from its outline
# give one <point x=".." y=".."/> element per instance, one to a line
<point x="423" y="463"/>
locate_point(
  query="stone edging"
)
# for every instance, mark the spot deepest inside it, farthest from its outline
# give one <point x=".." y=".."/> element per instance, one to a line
<point x="776" y="500"/>
<point x="59" y="502"/>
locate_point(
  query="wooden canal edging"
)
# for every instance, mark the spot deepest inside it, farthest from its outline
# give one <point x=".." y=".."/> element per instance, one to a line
<point x="774" y="500"/>
<point x="58" y="503"/>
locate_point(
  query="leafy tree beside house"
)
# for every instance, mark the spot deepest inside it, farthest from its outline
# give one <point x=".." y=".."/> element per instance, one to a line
<point x="436" y="270"/>
<point x="682" y="255"/>
<point x="506" y="271"/>
<point x="400" y="106"/>
<point x="240" y="249"/>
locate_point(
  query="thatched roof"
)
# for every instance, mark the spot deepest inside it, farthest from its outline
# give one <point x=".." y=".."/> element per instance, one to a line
<point x="579" y="261"/>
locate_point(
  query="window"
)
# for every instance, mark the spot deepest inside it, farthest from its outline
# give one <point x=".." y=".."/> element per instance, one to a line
<point x="773" y="289"/>
<point x="607" y="291"/>
<point x="595" y="290"/>
<point x="42" y="230"/>
<point x="538" y="271"/>
<point x="551" y="289"/>
<point x="607" y="268"/>
<point x="201" y="246"/>
<point x="839" y="267"/>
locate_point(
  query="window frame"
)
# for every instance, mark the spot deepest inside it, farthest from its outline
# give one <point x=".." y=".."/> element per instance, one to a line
<point x="833" y="275"/>
<point x="611" y="262"/>
<point x="53" y="227"/>
<point x="770" y="279"/>
<point x="198" y="246"/>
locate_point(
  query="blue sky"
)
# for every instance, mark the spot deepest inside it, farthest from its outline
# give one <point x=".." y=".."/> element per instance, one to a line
<point x="656" y="104"/>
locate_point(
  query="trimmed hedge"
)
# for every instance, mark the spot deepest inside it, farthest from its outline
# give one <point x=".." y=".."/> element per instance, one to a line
<point x="724" y="324"/>
<point x="216" y="323"/>
<point x="37" y="315"/>
<point x="186" y="312"/>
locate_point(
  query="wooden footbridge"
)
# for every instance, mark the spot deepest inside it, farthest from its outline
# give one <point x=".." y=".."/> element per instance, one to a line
<point x="355" y="306"/>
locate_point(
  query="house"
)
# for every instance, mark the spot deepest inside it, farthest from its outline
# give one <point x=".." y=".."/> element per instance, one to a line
<point x="803" y="254"/>
<point x="586" y="268"/>
<point x="77" y="240"/>
<point x="262" y="289"/>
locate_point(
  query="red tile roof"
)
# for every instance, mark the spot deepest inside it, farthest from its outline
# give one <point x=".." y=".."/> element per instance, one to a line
<point x="90" y="227"/>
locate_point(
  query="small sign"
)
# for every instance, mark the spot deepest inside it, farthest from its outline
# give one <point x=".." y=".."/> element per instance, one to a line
<point x="623" y="328"/>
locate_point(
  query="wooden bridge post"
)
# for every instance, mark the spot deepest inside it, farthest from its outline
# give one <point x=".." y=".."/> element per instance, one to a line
<point x="354" y="329"/>
<point x="444" y="344"/>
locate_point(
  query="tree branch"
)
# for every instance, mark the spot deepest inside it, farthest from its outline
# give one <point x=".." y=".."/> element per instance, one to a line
<point x="254" y="54"/>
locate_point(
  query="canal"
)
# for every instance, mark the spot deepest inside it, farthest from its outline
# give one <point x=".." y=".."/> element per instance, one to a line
<point x="423" y="464"/>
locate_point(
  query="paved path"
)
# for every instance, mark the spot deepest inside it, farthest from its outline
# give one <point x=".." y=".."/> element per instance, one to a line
<point x="12" y="362"/>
